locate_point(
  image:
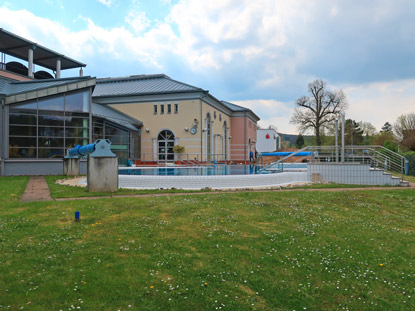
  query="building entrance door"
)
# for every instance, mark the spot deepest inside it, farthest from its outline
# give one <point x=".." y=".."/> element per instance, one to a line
<point x="165" y="142"/>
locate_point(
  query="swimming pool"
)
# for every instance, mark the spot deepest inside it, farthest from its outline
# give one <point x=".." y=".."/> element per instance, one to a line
<point x="211" y="170"/>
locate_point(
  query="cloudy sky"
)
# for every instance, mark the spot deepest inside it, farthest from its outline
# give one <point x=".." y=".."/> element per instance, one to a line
<point x="260" y="54"/>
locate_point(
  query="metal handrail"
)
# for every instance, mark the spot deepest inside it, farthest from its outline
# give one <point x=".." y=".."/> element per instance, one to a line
<point x="192" y="157"/>
<point x="378" y="157"/>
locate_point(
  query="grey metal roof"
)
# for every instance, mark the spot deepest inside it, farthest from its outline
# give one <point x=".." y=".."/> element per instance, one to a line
<point x="17" y="46"/>
<point x="11" y="87"/>
<point x="115" y="116"/>
<point x="236" y="108"/>
<point x="141" y="85"/>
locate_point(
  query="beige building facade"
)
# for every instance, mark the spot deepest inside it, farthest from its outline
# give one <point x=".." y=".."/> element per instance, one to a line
<point x="174" y="114"/>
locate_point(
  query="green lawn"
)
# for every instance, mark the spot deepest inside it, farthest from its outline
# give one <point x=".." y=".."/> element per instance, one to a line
<point x="301" y="250"/>
<point x="61" y="191"/>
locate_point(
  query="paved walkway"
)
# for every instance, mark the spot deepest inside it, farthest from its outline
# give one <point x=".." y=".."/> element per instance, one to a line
<point x="37" y="189"/>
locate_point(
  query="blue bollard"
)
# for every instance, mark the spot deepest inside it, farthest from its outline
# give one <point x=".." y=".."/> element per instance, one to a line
<point x="77" y="216"/>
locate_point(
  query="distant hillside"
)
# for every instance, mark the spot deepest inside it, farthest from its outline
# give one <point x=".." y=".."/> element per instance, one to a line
<point x="292" y="138"/>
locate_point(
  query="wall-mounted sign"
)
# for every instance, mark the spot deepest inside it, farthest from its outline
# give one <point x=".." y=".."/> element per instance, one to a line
<point x="267" y="136"/>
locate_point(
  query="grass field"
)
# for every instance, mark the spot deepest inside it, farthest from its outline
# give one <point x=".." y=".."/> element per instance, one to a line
<point x="342" y="250"/>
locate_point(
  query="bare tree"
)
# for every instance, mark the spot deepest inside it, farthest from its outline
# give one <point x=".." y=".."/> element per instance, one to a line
<point x="318" y="109"/>
<point x="405" y="130"/>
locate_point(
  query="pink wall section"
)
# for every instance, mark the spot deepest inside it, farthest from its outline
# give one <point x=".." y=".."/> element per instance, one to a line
<point x="14" y="76"/>
<point x="243" y="130"/>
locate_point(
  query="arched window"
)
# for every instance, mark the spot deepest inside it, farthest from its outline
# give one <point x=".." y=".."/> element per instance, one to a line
<point x="165" y="142"/>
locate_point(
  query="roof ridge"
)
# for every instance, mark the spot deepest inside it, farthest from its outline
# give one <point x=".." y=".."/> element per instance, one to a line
<point x="198" y="88"/>
<point x="132" y="78"/>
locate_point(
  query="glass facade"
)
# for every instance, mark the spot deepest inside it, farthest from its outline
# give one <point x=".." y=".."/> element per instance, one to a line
<point x="120" y="139"/>
<point x="46" y="127"/>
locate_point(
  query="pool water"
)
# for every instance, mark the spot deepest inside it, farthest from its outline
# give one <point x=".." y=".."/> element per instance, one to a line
<point x="219" y="169"/>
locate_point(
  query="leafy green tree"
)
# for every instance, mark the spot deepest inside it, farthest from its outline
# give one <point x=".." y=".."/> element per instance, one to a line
<point x="353" y="134"/>
<point x="386" y="128"/>
<point x="300" y="141"/>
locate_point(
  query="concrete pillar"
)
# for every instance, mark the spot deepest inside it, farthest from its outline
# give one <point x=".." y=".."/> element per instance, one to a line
<point x="30" y="64"/>
<point x="343" y="126"/>
<point x="81" y="72"/>
<point x="337" y="139"/>
<point x="102" y="174"/>
<point x="58" y="69"/>
<point x="71" y="167"/>
<point x="155" y="149"/>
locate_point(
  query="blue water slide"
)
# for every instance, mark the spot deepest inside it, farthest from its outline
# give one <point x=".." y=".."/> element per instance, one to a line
<point x="287" y="153"/>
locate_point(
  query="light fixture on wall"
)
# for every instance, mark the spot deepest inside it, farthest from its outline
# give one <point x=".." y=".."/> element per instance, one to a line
<point x="204" y="130"/>
<point x="147" y="130"/>
<point x="186" y="129"/>
<point x="230" y="137"/>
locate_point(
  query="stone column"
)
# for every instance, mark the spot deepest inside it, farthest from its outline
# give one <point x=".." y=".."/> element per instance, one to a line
<point x="30" y="63"/>
<point x="71" y="167"/>
<point x="58" y="69"/>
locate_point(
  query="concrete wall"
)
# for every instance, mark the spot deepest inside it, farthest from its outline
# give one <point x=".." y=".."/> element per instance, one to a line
<point x="265" y="144"/>
<point x="214" y="182"/>
<point x="349" y="173"/>
<point x="102" y="174"/>
<point x="37" y="167"/>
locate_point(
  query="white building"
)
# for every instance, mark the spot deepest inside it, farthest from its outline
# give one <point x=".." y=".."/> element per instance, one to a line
<point x="268" y="140"/>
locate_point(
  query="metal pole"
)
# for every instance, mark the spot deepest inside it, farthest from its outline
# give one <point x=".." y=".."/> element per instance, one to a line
<point x="337" y="139"/>
<point x="343" y="125"/>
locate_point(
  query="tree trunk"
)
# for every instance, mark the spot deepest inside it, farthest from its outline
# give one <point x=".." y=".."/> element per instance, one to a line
<point x="318" y="139"/>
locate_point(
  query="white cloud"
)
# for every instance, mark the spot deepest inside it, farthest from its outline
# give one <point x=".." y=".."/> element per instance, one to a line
<point x="271" y="112"/>
<point x="378" y="103"/>
<point x="108" y="3"/>
<point x="268" y="49"/>
<point x="138" y="21"/>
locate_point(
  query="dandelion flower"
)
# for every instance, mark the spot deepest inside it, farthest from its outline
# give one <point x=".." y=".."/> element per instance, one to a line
<point x="381" y="265"/>
<point x="152" y="286"/>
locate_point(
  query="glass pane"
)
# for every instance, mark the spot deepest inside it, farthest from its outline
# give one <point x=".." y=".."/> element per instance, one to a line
<point x="50" y="153"/>
<point x="77" y="132"/>
<point x="109" y="130"/>
<point x="77" y="102"/>
<point x="22" y="141"/>
<point x="72" y="142"/>
<point x="51" y="131"/>
<point x="18" y="118"/>
<point x="50" y="142"/>
<point x="98" y="132"/>
<point x="51" y="120"/>
<point x="30" y="105"/>
<point x="54" y="103"/>
<point x="114" y="139"/>
<point x="78" y="122"/>
<point x="76" y="114"/>
<point x="22" y="152"/>
<point x="22" y="130"/>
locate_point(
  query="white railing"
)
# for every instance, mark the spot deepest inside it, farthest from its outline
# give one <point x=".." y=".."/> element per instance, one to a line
<point x="377" y="157"/>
